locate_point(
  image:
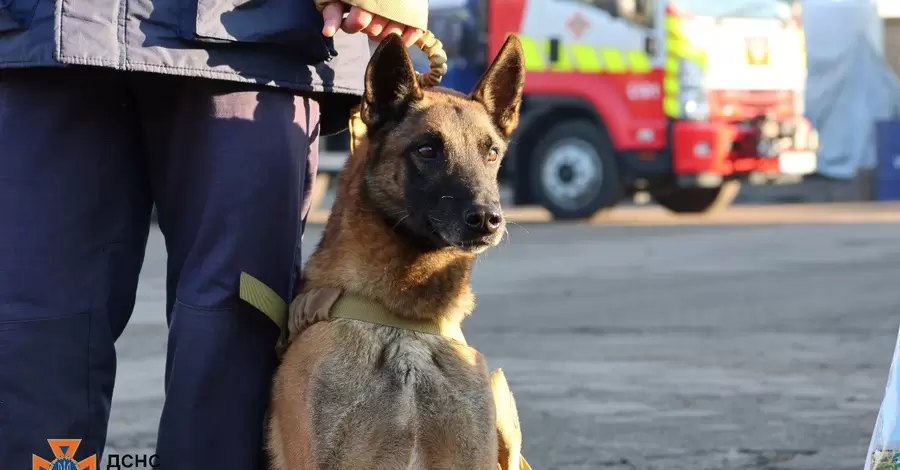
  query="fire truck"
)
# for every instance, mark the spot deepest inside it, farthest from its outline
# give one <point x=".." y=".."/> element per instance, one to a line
<point x="683" y="100"/>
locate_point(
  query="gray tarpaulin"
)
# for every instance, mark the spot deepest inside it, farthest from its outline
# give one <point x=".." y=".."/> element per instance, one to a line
<point x="849" y="85"/>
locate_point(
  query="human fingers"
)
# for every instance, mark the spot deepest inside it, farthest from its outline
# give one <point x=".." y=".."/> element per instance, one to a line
<point x="411" y="35"/>
<point x="357" y="20"/>
<point x="333" y="14"/>
<point x="376" y="26"/>
<point x="391" y="28"/>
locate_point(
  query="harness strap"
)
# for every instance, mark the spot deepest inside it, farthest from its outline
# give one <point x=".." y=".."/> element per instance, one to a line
<point x="267" y="301"/>
<point x="351" y="307"/>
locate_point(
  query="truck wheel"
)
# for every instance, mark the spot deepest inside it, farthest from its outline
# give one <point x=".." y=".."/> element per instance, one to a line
<point x="696" y="200"/>
<point x="573" y="170"/>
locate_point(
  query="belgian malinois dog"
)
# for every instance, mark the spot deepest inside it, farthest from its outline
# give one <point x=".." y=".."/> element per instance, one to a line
<point x="417" y="201"/>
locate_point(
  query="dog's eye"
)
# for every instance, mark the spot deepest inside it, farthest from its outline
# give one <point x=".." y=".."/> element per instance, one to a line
<point x="427" y="152"/>
<point x="493" y="155"/>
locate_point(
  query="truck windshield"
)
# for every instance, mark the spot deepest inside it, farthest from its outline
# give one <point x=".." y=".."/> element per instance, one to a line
<point x="780" y="9"/>
<point x="449" y="24"/>
<point x="461" y="26"/>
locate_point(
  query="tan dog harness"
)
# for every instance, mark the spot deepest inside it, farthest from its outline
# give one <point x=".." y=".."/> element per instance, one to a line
<point x="328" y="304"/>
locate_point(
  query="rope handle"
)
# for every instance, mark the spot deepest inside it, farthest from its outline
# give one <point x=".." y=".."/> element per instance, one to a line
<point x="437" y="57"/>
<point x="429" y="44"/>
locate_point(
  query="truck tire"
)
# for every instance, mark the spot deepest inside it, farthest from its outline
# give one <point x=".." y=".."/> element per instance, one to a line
<point x="573" y="170"/>
<point x="696" y="200"/>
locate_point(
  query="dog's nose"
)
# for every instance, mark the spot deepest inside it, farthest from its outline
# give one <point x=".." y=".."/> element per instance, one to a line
<point x="483" y="218"/>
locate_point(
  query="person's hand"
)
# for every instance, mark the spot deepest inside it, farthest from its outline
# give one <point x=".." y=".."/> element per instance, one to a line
<point x="359" y="20"/>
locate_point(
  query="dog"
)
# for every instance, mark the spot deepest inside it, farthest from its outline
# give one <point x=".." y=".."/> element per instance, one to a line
<point x="417" y="201"/>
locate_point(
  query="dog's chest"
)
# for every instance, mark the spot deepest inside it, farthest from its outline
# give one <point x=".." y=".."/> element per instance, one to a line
<point x="446" y="387"/>
<point x="412" y="358"/>
<point x="409" y="361"/>
<point x="424" y="396"/>
<point x="417" y="461"/>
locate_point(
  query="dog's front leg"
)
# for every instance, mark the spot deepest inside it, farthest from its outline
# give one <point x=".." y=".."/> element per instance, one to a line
<point x="509" y="434"/>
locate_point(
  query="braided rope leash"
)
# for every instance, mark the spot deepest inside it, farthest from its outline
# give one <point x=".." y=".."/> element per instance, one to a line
<point x="437" y="57"/>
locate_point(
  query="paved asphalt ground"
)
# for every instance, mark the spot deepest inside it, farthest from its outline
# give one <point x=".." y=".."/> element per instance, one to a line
<point x="647" y="342"/>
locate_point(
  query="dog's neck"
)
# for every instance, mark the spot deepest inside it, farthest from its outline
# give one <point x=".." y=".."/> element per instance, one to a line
<point x="362" y="254"/>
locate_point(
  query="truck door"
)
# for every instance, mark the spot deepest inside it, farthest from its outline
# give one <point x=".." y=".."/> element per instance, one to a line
<point x="607" y="52"/>
<point x="611" y="26"/>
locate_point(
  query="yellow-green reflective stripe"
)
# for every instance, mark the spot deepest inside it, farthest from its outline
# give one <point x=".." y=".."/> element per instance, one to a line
<point x="583" y="58"/>
<point x="613" y="60"/>
<point x="689" y="53"/>
<point x="698" y="56"/>
<point x="563" y="62"/>
<point x="534" y="58"/>
<point x="675" y="28"/>
<point x="672" y="66"/>
<point x="679" y="48"/>
<point x="671" y="86"/>
<point x="672" y="107"/>
<point x="638" y="62"/>
<point x="586" y="58"/>
<point x="672" y="23"/>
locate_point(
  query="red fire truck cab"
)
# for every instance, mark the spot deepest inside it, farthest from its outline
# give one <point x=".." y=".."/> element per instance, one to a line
<point x="681" y="99"/>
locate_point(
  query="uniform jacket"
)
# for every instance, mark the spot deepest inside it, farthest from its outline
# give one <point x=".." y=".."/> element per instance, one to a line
<point x="269" y="42"/>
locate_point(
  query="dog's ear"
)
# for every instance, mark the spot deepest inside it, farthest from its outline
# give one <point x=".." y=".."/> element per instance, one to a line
<point x="391" y="83"/>
<point x="500" y="88"/>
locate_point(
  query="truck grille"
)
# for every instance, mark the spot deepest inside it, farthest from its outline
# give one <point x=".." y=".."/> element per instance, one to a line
<point x="740" y="105"/>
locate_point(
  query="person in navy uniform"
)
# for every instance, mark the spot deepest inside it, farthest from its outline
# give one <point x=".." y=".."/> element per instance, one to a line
<point x="212" y="111"/>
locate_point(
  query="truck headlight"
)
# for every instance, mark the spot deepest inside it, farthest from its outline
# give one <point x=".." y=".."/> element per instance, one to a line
<point x="693" y="96"/>
<point x="694" y="105"/>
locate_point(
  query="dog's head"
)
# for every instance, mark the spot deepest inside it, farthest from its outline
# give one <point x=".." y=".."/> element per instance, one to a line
<point x="434" y="154"/>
